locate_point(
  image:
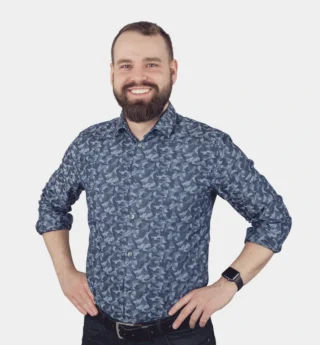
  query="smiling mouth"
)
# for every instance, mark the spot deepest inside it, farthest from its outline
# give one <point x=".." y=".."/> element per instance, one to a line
<point x="139" y="92"/>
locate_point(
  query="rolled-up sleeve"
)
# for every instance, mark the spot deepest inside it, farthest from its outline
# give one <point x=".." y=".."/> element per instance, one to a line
<point x="236" y="180"/>
<point x="61" y="191"/>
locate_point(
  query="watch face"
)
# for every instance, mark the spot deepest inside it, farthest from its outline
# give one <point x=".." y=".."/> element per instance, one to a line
<point x="231" y="273"/>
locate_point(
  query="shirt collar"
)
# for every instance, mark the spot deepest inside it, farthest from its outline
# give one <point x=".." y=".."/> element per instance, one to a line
<point x="165" y="124"/>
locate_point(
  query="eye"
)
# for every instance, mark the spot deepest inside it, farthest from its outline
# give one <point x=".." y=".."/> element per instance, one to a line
<point x="123" y="66"/>
<point x="152" y="64"/>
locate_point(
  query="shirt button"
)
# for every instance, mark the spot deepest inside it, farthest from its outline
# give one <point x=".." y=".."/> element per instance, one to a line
<point x="139" y="145"/>
<point x="129" y="253"/>
<point x="132" y="216"/>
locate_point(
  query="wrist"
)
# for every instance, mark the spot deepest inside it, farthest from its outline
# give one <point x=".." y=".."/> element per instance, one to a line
<point x="228" y="285"/>
<point x="63" y="271"/>
<point x="233" y="276"/>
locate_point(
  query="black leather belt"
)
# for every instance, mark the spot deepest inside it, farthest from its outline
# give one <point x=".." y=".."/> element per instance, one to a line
<point x="142" y="331"/>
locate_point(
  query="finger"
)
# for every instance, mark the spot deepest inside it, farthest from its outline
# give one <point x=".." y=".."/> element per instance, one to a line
<point x="195" y="317"/>
<point x="77" y="305"/>
<point x="87" y="302"/>
<point x="183" y="314"/>
<point x="204" y="318"/>
<point x="182" y="302"/>
<point x="82" y="302"/>
<point x="86" y="285"/>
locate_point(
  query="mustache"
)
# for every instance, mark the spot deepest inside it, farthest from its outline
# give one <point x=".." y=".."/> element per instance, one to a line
<point x="147" y="84"/>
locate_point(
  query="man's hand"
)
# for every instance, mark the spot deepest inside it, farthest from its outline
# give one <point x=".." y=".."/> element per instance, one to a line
<point x="75" y="287"/>
<point x="204" y="302"/>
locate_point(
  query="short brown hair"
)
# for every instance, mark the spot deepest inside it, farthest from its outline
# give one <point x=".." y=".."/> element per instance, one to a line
<point x="147" y="29"/>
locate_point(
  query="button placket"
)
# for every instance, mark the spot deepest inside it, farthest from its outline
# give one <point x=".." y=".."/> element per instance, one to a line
<point x="136" y="156"/>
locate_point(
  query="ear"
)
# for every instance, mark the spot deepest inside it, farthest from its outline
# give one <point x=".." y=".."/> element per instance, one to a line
<point x="111" y="73"/>
<point x="174" y="70"/>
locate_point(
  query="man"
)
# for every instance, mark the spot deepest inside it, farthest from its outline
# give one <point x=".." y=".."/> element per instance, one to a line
<point x="151" y="178"/>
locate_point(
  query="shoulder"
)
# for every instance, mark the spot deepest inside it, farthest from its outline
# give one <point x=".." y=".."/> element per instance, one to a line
<point x="204" y="132"/>
<point x="91" y="136"/>
<point x="98" y="130"/>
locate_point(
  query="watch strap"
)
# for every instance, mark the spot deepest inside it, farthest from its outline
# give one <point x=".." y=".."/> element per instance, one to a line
<point x="238" y="281"/>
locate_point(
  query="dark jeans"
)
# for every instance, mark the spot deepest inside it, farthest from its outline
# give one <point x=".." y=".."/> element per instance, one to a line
<point x="95" y="333"/>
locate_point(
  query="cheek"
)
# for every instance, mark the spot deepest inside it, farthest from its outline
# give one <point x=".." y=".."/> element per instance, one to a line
<point x="118" y="85"/>
<point x="161" y="81"/>
<point x="119" y="80"/>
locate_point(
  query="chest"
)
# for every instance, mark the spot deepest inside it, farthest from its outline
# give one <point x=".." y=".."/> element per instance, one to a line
<point x="174" y="172"/>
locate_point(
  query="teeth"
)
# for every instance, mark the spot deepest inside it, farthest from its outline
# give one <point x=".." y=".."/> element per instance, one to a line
<point x="140" y="91"/>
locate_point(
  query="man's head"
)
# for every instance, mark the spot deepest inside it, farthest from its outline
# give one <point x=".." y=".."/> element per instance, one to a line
<point x="142" y="59"/>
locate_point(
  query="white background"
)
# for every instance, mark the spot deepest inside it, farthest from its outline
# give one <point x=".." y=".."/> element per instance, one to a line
<point x="249" y="68"/>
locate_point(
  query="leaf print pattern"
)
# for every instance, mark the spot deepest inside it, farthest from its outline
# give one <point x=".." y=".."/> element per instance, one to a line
<point x="149" y="208"/>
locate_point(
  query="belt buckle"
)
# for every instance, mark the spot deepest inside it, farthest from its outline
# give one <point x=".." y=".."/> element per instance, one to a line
<point x="123" y="323"/>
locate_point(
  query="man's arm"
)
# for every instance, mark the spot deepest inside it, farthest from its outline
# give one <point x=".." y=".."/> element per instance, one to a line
<point x="61" y="191"/>
<point x="55" y="220"/>
<point x="73" y="283"/>
<point x="58" y="246"/>
<point x="249" y="263"/>
<point x="236" y="180"/>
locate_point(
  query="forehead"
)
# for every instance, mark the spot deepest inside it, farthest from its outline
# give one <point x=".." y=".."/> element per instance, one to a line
<point x="135" y="46"/>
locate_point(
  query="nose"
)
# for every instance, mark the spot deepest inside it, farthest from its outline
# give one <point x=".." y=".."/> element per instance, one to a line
<point x="138" y="75"/>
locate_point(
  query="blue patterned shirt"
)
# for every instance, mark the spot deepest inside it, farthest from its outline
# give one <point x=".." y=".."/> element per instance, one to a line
<point x="149" y="208"/>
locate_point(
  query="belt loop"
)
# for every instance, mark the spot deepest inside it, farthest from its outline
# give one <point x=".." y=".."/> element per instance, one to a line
<point x="158" y="323"/>
<point x="147" y="331"/>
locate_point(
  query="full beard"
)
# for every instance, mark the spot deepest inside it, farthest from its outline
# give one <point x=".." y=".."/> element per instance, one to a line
<point x="141" y="110"/>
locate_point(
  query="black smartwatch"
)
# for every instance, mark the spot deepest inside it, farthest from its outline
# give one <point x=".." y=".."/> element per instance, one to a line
<point x="233" y="276"/>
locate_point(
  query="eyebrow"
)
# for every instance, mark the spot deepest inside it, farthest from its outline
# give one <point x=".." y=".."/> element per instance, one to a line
<point x="145" y="59"/>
